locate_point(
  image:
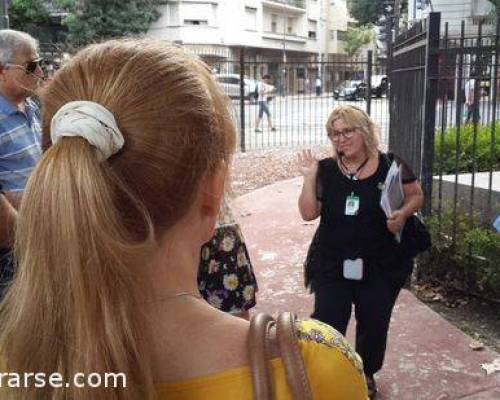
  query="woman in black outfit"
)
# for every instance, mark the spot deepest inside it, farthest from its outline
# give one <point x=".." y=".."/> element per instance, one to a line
<point x="354" y="257"/>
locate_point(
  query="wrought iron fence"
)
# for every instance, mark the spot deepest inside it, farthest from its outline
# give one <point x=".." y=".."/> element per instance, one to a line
<point x="304" y="94"/>
<point x="444" y="120"/>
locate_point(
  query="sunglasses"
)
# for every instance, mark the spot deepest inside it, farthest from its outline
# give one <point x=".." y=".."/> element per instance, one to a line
<point x="29" y="67"/>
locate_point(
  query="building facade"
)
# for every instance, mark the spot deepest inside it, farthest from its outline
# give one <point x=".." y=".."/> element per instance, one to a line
<point x="454" y="12"/>
<point x="292" y="31"/>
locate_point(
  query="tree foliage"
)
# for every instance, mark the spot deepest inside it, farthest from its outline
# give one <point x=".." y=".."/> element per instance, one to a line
<point x="26" y="12"/>
<point x="95" y="20"/>
<point x="87" y="20"/>
<point x="357" y="38"/>
<point x="369" y="11"/>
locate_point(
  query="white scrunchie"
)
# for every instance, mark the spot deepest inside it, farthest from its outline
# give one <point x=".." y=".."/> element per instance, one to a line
<point x="91" y="121"/>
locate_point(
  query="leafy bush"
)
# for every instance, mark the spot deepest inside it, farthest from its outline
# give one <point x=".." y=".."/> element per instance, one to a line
<point x="471" y="264"/>
<point x="483" y="153"/>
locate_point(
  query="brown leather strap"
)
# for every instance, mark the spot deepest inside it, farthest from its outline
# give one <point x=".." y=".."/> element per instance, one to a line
<point x="268" y="339"/>
<point x="259" y="325"/>
<point x="292" y="357"/>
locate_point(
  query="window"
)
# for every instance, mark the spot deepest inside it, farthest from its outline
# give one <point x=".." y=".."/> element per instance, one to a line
<point x="250" y="18"/>
<point x="313" y="27"/>
<point x="290" y="25"/>
<point x="195" y="22"/>
<point x="228" y="80"/>
<point x="341" y="35"/>
<point x="274" y="23"/>
<point x="173" y="14"/>
<point x="199" y="14"/>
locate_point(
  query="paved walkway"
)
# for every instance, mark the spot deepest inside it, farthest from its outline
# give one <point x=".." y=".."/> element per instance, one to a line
<point x="427" y="358"/>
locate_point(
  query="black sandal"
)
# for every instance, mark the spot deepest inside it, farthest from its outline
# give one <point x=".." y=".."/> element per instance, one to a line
<point x="372" y="387"/>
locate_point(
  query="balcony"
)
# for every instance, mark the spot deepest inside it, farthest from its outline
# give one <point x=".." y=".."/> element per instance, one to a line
<point x="286" y="5"/>
<point x="293" y="3"/>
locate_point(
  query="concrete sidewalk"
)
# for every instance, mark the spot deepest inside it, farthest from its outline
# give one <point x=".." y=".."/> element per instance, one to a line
<point x="427" y="357"/>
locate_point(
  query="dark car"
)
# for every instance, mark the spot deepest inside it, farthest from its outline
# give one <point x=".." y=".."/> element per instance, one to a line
<point x="351" y="90"/>
<point x="380" y="84"/>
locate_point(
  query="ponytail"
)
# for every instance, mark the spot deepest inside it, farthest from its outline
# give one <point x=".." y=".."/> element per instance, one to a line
<point x="76" y="288"/>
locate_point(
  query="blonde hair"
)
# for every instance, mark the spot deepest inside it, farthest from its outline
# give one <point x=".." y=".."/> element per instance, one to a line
<point x="86" y="228"/>
<point x="355" y="117"/>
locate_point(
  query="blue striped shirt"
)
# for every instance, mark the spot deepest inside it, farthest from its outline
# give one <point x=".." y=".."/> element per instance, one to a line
<point x="20" y="143"/>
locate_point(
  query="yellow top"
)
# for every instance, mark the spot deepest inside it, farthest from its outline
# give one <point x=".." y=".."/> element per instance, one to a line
<point x="334" y="370"/>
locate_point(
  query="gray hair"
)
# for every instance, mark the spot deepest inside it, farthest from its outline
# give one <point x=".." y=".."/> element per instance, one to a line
<point x="14" y="42"/>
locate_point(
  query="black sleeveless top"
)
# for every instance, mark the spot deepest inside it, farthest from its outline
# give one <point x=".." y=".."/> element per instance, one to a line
<point x="364" y="235"/>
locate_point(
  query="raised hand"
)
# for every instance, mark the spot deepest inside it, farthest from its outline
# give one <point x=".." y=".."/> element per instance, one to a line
<point x="307" y="164"/>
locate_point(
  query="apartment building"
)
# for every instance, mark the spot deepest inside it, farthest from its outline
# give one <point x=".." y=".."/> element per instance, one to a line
<point x="296" y="31"/>
<point x="454" y="12"/>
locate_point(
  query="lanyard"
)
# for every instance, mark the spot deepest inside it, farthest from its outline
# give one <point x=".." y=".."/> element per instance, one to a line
<point x="348" y="173"/>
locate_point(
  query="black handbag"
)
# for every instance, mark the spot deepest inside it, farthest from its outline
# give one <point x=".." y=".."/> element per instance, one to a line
<point x="415" y="238"/>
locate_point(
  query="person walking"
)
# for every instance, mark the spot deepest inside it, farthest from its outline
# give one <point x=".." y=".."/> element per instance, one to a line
<point x="470" y="102"/>
<point x="264" y="89"/>
<point x="20" y="133"/>
<point x="354" y="257"/>
<point x="139" y="143"/>
<point x="318" y="86"/>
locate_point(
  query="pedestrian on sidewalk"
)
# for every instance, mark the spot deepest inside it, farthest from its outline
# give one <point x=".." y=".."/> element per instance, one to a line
<point x="496" y="224"/>
<point x="225" y="276"/>
<point x="354" y="257"/>
<point x="318" y="86"/>
<point x="139" y="141"/>
<point x="471" y="103"/>
<point x="264" y="90"/>
<point x="20" y="132"/>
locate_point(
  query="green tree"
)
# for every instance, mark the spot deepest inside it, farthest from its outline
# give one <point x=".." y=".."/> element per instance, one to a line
<point x="95" y="20"/>
<point x="23" y="13"/>
<point x="34" y="17"/>
<point x="357" y="38"/>
<point x="369" y="11"/>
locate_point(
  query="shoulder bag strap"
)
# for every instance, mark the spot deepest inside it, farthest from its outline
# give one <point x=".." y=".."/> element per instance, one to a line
<point x="257" y="343"/>
<point x="267" y="339"/>
<point x="292" y="357"/>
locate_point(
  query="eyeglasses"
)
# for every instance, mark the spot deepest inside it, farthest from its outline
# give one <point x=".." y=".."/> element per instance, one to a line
<point x="29" y="67"/>
<point x="346" y="133"/>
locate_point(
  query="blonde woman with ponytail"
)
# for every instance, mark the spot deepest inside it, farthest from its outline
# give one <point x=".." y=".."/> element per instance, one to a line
<point x="137" y="143"/>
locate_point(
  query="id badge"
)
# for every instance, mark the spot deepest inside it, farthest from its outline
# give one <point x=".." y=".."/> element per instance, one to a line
<point x="353" y="269"/>
<point x="351" y="204"/>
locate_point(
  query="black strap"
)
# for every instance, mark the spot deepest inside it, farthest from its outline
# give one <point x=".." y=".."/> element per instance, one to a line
<point x="350" y="174"/>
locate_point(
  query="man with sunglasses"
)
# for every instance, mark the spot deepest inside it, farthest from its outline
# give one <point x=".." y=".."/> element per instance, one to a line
<point x="20" y="133"/>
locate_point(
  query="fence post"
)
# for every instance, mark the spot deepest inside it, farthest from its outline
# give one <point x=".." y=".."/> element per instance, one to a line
<point x="369" y="83"/>
<point x="4" y="17"/>
<point x="430" y="100"/>
<point x="242" y="99"/>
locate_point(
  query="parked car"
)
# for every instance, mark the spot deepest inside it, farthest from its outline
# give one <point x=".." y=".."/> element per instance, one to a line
<point x="351" y="90"/>
<point x="231" y="85"/>
<point x="380" y="85"/>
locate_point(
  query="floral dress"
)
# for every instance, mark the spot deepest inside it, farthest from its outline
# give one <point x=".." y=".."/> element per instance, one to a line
<point x="225" y="275"/>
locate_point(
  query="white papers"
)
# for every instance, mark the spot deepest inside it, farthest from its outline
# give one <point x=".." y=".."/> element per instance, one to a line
<point x="392" y="194"/>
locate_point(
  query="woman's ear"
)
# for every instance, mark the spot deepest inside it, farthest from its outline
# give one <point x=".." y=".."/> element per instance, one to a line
<point x="213" y="192"/>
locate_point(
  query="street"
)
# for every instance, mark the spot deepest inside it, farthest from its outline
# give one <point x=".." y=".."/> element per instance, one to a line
<point x="300" y="120"/>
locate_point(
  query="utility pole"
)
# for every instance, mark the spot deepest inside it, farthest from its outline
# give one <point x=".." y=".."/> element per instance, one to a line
<point x="5" y="14"/>
<point x="396" y="17"/>
<point x="285" y="16"/>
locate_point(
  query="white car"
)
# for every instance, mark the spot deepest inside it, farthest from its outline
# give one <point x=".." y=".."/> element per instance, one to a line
<point x="231" y="85"/>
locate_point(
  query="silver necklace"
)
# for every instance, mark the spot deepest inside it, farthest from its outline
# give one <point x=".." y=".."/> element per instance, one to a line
<point x="176" y="296"/>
